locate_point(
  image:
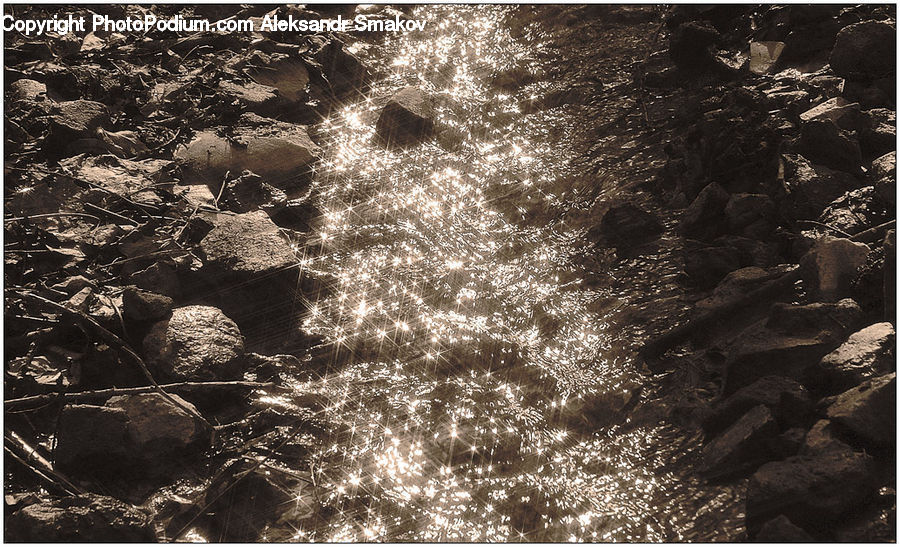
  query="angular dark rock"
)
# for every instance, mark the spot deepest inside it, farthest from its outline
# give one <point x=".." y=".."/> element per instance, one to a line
<point x="812" y="491"/>
<point x="845" y="114"/>
<point x="91" y="518"/>
<point x="857" y="210"/>
<point x="91" y="436"/>
<point x="880" y="135"/>
<point x="689" y="44"/>
<point x="158" y="278"/>
<point x="705" y="217"/>
<point x="747" y="443"/>
<point x="407" y="118"/>
<point x="245" y="246"/>
<point x="706" y="265"/>
<point x="822" y="438"/>
<point x="884" y="166"/>
<point x="196" y="343"/>
<point x="72" y="120"/>
<point x="737" y="284"/>
<point x="866" y="354"/>
<point x="864" y="51"/>
<point x="868" y="411"/>
<point x="750" y="215"/>
<point x="810" y="188"/>
<point x="781" y="530"/>
<point x="787" y="400"/>
<point x="822" y="141"/>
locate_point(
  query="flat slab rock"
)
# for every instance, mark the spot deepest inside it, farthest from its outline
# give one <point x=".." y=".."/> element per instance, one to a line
<point x="868" y="410"/>
<point x="276" y="151"/>
<point x="746" y="444"/>
<point x="90" y="518"/>
<point x="245" y="246"/>
<point x="196" y="343"/>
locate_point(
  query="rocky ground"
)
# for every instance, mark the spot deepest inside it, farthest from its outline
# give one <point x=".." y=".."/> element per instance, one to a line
<point x="780" y="166"/>
<point x="157" y="197"/>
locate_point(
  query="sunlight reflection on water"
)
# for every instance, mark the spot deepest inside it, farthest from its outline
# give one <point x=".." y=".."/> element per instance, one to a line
<point x="470" y="400"/>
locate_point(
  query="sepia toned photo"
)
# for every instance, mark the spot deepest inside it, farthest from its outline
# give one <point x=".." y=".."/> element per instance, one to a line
<point x="449" y="273"/>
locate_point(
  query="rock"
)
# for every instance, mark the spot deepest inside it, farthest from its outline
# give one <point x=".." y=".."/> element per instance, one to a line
<point x="822" y="141"/>
<point x="253" y="97"/>
<point x="74" y="284"/>
<point x="866" y="354"/>
<point x="407" y="118"/>
<point x="628" y="223"/>
<point x="821" y="438"/>
<point x="868" y="94"/>
<point x="812" y="491"/>
<point x="158" y="428"/>
<point x="134" y="180"/>
<point x="831" y="265"/>
<point x="282" y="72"/>
<point x="864" y="51"/>
<point x="141" y="305"/>
<point x="27" y="90"/>
<point x="746" y="444"/>
<point x="196" y="343"/>
<point x="89" y="437"/>
<point x="196" y="195"/>
<point x="737" y="284"/>
<point x="845" y="114"/>
<point x="704" y="218"/>
<point x="792" y="339"/>
<point x="276" y="151"/>
<point x="810" y="188"/>
<point x="90" y="518"/>
<point x="868" y="411"/>
<point x="764" y="55"/>
<point x="884" y="166"/>
<point x="790" y="441"/>
<point x="705" y="266"/>
<point x="249" y="192"/>
<point x="880" y="135"/>
<point x="158" y="278"/>
<point x="781" y="530"/>
<point x="750" y="215"/>
<point x="246" y="246"/>
<point x="787" y="400"/>
<point x="346" y="74"/>
<point x="72" y="120"/>
<point x="690" y="43"/>
<point x="857" y="210"/>
<point x="890" y="275"/>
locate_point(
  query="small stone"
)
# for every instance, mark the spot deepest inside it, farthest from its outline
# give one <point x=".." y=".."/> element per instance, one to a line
<point x="868" y="410"/>
<point x="27" y="90"/>
<point x="705" y="266"/>
<point x="821" y="438"/>
<point x="751" y="215"/>
<point x="158" y="278"/>
<point x="885" y="166"/>
<point x="864" y="51"/>
<point x="705" y="217"/>
<point x="866" y="354"/>
<point x="196" y="343"/>
<point x="286" y="74"/>
<point x="845" y="114"/>
<point x="79" y="119"/>
<point x="407" y="118"/>
<point x="73" y="284"/>
<point x="832" y="264"/>
<point x="141" y="305"/>
<point x="737" y="284"/>
<point x="253" y="97"/>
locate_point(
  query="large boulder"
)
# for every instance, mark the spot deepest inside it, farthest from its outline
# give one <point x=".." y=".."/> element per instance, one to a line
<point x="787" y="400"/>
<point x="810" y="188"/>
<point x="749" y="442"/>
<point x="790" y="341"/>
<point x="196" y="343"/>
<point x="831" y="265"/>
<point x="812" y="491"/>
<point x="407" y="118"/>
<point x="160" y="426"/>
<point x="865" y="51"/>
<point x="822" y="141"/>
<point x="90" y="518"/>
<point x="276" y="151"/>
<point x="868" y="411"/>
<point x="866" y="354"/>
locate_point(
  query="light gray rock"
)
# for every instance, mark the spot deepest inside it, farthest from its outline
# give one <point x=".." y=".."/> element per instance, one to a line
<point x="831" y="264"/>
<point x="866" y="354"/>
<point x="245" y="246"/>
